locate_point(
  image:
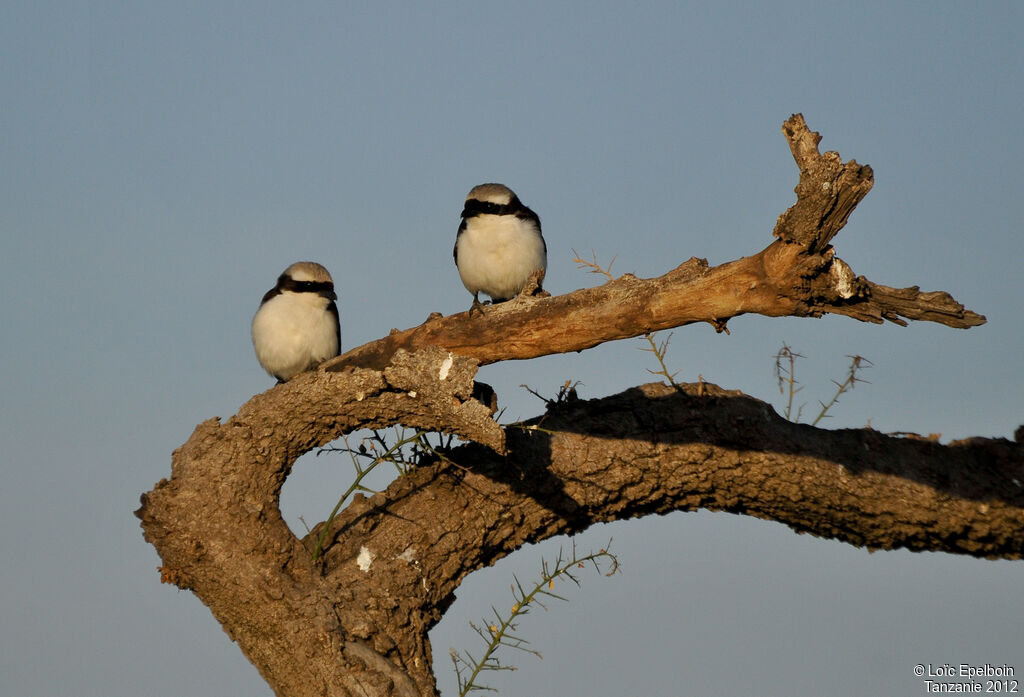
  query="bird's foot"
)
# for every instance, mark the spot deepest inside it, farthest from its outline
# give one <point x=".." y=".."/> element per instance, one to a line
<point x="478" y="306"/>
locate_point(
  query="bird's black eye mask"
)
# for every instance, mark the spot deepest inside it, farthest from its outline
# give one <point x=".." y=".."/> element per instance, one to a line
<point x="323" y="288"/>
<point x="477" y="207"/>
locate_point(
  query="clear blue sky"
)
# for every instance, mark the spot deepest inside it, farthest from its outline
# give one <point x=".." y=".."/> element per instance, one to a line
<point x="161" y="163"/>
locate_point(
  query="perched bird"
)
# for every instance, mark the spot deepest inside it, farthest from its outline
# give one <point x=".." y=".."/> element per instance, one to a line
<point x="499" y="244"/>
<point x="297" y="327"/>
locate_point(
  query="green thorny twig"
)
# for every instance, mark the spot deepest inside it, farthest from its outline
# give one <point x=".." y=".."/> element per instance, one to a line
<point x="499" y="632"/>
<point x="406" y="453"/>
<point x="659" y="350"/>
<point x="786" y="376"/>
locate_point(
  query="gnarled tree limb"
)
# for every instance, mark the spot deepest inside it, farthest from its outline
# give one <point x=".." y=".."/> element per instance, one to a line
<point x="798" y="275"/>
<point x="356" y="621"/>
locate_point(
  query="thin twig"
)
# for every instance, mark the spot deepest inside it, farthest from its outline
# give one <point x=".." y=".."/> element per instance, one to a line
<point x="787" y="379"/>
<point x="499" y="632"/>
<point x="592" y="266"/>
<point x="659" y="352"/>
<point x="403" y="462"/>
<point x="857" y="363"/>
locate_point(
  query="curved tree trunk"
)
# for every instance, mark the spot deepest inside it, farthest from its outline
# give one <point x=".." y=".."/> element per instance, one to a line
<point x="355" y="622"/>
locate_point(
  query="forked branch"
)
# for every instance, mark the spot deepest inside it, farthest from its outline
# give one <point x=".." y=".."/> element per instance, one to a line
<point x="353" y="620"/>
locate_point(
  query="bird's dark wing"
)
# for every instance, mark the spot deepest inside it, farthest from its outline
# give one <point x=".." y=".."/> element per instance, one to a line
<point x="455" y="249"/>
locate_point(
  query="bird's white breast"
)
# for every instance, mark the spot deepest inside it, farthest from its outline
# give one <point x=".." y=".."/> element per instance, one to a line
<point x="497" y="254"/>
<point x="293" y="332"/>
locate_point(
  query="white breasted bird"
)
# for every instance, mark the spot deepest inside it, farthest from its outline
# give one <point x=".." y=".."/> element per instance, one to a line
<point x="499" y="244"/>
<point x="297" y="328"/>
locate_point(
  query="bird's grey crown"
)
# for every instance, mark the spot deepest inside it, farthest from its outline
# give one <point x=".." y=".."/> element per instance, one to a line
<point x="496" y="199"/>
<point x="303" y="277"/>
<point x="308" y="271"/>
<point x="491" y="193"/>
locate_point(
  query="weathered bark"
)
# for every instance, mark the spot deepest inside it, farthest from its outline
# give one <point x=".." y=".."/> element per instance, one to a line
<point x="356" y="622"/>
<point x="798" y="275"/>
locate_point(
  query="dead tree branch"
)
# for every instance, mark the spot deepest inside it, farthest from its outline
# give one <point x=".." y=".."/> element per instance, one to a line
<point x="356" y="621"/>
<point x="798" y="275"/>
